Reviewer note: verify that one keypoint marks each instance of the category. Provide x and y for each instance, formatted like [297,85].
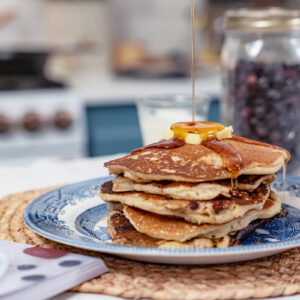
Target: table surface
[44,173]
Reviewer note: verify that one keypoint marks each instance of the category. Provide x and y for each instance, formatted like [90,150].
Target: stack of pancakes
[184,197]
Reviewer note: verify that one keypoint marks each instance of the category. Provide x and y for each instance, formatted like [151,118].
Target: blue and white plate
[76,216]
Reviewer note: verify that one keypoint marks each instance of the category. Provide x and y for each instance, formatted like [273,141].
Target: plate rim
[130,250]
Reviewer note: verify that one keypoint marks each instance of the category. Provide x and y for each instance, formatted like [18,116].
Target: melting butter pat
[225,133]
[169,134]
[193,138]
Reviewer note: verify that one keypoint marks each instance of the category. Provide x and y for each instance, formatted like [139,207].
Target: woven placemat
[274,276]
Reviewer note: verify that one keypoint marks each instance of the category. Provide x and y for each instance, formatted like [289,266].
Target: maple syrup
[232,160]
[164,144]
[193,57]
[234,183]
[205,129]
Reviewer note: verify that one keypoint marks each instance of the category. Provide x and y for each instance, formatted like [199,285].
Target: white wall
[27,26]
[162,25]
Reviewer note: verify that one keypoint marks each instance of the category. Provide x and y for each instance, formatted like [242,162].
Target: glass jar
[157,113]
[261,76]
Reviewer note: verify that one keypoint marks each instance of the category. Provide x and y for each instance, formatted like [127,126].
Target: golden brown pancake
[196,163]
[169,228]
[124,234]
[217,211]
[191,190]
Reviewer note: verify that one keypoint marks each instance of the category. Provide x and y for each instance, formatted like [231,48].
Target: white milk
[155,121]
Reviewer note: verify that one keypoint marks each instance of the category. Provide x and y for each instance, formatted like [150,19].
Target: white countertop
[43,173]
[113,91]
[49,172]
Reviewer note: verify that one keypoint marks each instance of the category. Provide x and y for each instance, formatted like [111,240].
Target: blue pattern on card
[44,215]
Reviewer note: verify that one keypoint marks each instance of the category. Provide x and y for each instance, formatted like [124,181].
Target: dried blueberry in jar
[267,103]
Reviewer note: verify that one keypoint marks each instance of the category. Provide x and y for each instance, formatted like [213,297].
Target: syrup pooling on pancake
[231,158]
[168,144]
[208,132]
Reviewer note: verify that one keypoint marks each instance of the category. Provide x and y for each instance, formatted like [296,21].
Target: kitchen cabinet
[113,129]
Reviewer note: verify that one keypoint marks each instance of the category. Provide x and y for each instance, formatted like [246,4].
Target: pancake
[168,228]
[252,182]
[124,234]
[217,211]
[191,190]
[197,163]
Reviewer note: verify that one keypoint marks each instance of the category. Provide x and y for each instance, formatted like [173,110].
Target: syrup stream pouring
[193,57]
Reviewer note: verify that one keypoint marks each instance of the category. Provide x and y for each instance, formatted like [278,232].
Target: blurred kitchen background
[71,70]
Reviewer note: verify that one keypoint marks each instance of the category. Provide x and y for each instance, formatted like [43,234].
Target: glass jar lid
[263,20]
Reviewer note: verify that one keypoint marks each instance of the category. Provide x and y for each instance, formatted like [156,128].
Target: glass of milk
[158,113]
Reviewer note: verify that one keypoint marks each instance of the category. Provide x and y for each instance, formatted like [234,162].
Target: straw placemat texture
[274,276]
